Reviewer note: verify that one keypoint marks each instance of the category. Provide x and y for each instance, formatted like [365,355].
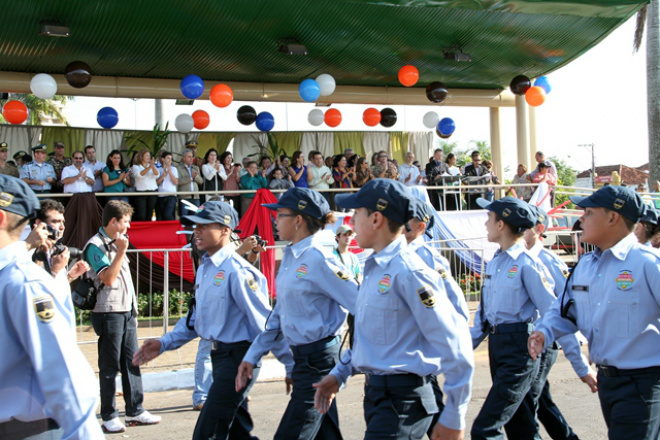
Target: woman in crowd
[145,174]
[116,177]
[298,170]
[363,173]
[343,175]
[214,174]
[521,177]
[232,171]
[451,164]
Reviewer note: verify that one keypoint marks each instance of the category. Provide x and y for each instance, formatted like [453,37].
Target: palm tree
[40,108]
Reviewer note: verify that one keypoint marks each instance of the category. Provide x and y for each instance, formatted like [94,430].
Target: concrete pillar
[533,144]
[522,135]
[496,145]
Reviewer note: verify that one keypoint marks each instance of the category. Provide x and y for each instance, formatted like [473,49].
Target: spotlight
[292,47]
[54,30]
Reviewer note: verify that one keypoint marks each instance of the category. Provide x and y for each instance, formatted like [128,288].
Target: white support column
[496,145]
[533,144]
[522,135]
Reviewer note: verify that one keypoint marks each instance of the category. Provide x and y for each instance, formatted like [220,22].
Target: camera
[53,234]
[74,252]
[260,241]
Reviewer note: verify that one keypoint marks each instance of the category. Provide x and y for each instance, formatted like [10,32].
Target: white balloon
[43,86]
[315,117]
[431,120]
[327,83]
[184,123]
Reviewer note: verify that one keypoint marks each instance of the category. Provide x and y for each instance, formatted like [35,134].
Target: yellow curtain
[399,141]
[289,142]
[73,138]
[219,141]
[349,139]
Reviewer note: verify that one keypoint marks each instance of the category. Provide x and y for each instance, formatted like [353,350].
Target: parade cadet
[231,307]
[313,293]
[647,229]
[612,297]
[515,289]
[404,328]
[39,174]
[539,400]
[47,384]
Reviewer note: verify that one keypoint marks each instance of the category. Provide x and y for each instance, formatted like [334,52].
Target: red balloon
[201,119]
[332,117]
[371,117]
[15,112]
[535,96]
[408,75]
[221,95]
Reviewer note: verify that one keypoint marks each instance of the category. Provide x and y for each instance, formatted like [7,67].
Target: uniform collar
[219,257]
[300,247]
[383,257]
[13,252]
[417,243]
[621,249]
[536,249]
[515,250]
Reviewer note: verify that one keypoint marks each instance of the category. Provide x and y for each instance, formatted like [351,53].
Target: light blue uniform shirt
[558,271]
[440,264]
[35,171]
[313,293]
[405,324]
[231,305]
[44,374]
[516,289]
[617,306]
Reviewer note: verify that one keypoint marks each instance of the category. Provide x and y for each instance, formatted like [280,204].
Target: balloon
[520,84]
[309,90]
[371,117]
[78,74]
[544,83]
[387,117]
[535,96]
[184,123]
[201,119]
[315,117]
[327,84]
[246,115]
[437,132]
[43,86]
[431,120]
[265,121]
[436,92]
[221,95]
[332,117]
[408,75]
[15,112]
[107,117]
[192,86]
[446,126]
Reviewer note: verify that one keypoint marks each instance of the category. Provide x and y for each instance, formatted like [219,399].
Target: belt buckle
[605,371]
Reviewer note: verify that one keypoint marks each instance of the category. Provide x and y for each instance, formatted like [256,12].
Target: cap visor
[483,202]
[201,220]
[348,201]
[581,201]
[272,206]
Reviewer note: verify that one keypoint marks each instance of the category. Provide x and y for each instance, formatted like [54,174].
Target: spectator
[490,192]
[409,174]
[341,173]
[39,175]
[114,317]
[655,196]
[116,177]
[435,170]
[77,178]
[381,168]
[363,173]
[267,165]
[540,158]
[452,169]
[244,162]
[167,183]
[328,161]
[190,178]
[544,174]
[59,162]
[522,192]
[232,171]
[278,182]
[348,259]
[214,174]
[96,166]
[351,162]
[145,173]
[6,168]
[192,146]
[419,167]
[348,152]
[21,158]
[475,172]
[319,176]
[252,180]
[298,170]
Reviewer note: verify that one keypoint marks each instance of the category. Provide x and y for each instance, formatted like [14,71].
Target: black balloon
[246,115]
[436,92]
[387,117]
[520,84]
[78,74]
[443,136]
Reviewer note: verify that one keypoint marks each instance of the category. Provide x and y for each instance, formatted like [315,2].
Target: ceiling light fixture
[292,47]
[456,54]
[54,30]
[184,102]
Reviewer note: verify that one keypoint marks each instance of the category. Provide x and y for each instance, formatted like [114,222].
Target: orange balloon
[15,112]
[408,75]
[201,119]
[535,96]
[371,117]
[332,117]
[221,95]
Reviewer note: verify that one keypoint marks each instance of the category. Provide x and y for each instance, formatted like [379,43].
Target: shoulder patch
[301,271]
[566,273]
[252,283]
[443,273]
[385,283]
[426,296]
[342,275]
[44,308]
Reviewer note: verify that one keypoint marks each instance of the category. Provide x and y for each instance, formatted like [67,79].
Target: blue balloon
[192,86]
[265,121]
[544,83]
[309,90]
[446,126]
[107,117]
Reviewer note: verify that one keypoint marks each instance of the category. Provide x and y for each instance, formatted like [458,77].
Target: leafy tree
[566,176]
[39,108]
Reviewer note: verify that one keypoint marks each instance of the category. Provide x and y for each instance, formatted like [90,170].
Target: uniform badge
[426,296]
[219,278]
[506,212]
[252,284]
[381,204]
[426,218]
[625,280]
[384,284]
[342,275]
[227,220]
[618,203]
[302,271]
[566,273]
[97,258]
[443,273]
[43,307]
[302,204]
[512,272]
[5,199]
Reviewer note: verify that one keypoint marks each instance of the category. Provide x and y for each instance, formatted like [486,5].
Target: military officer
[39,174]
[6,168]
[59,162]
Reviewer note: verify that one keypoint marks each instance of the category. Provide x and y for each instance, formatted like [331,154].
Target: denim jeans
[203,372]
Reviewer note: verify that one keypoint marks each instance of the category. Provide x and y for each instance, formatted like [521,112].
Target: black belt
[397,380]
[520,327]
[607,371]
[217,345]
[313,347]
[17,429]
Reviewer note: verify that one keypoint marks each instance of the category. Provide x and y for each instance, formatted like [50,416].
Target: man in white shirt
[409,174]
[167,182]
[319,176]
[76,177]
[96,166]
